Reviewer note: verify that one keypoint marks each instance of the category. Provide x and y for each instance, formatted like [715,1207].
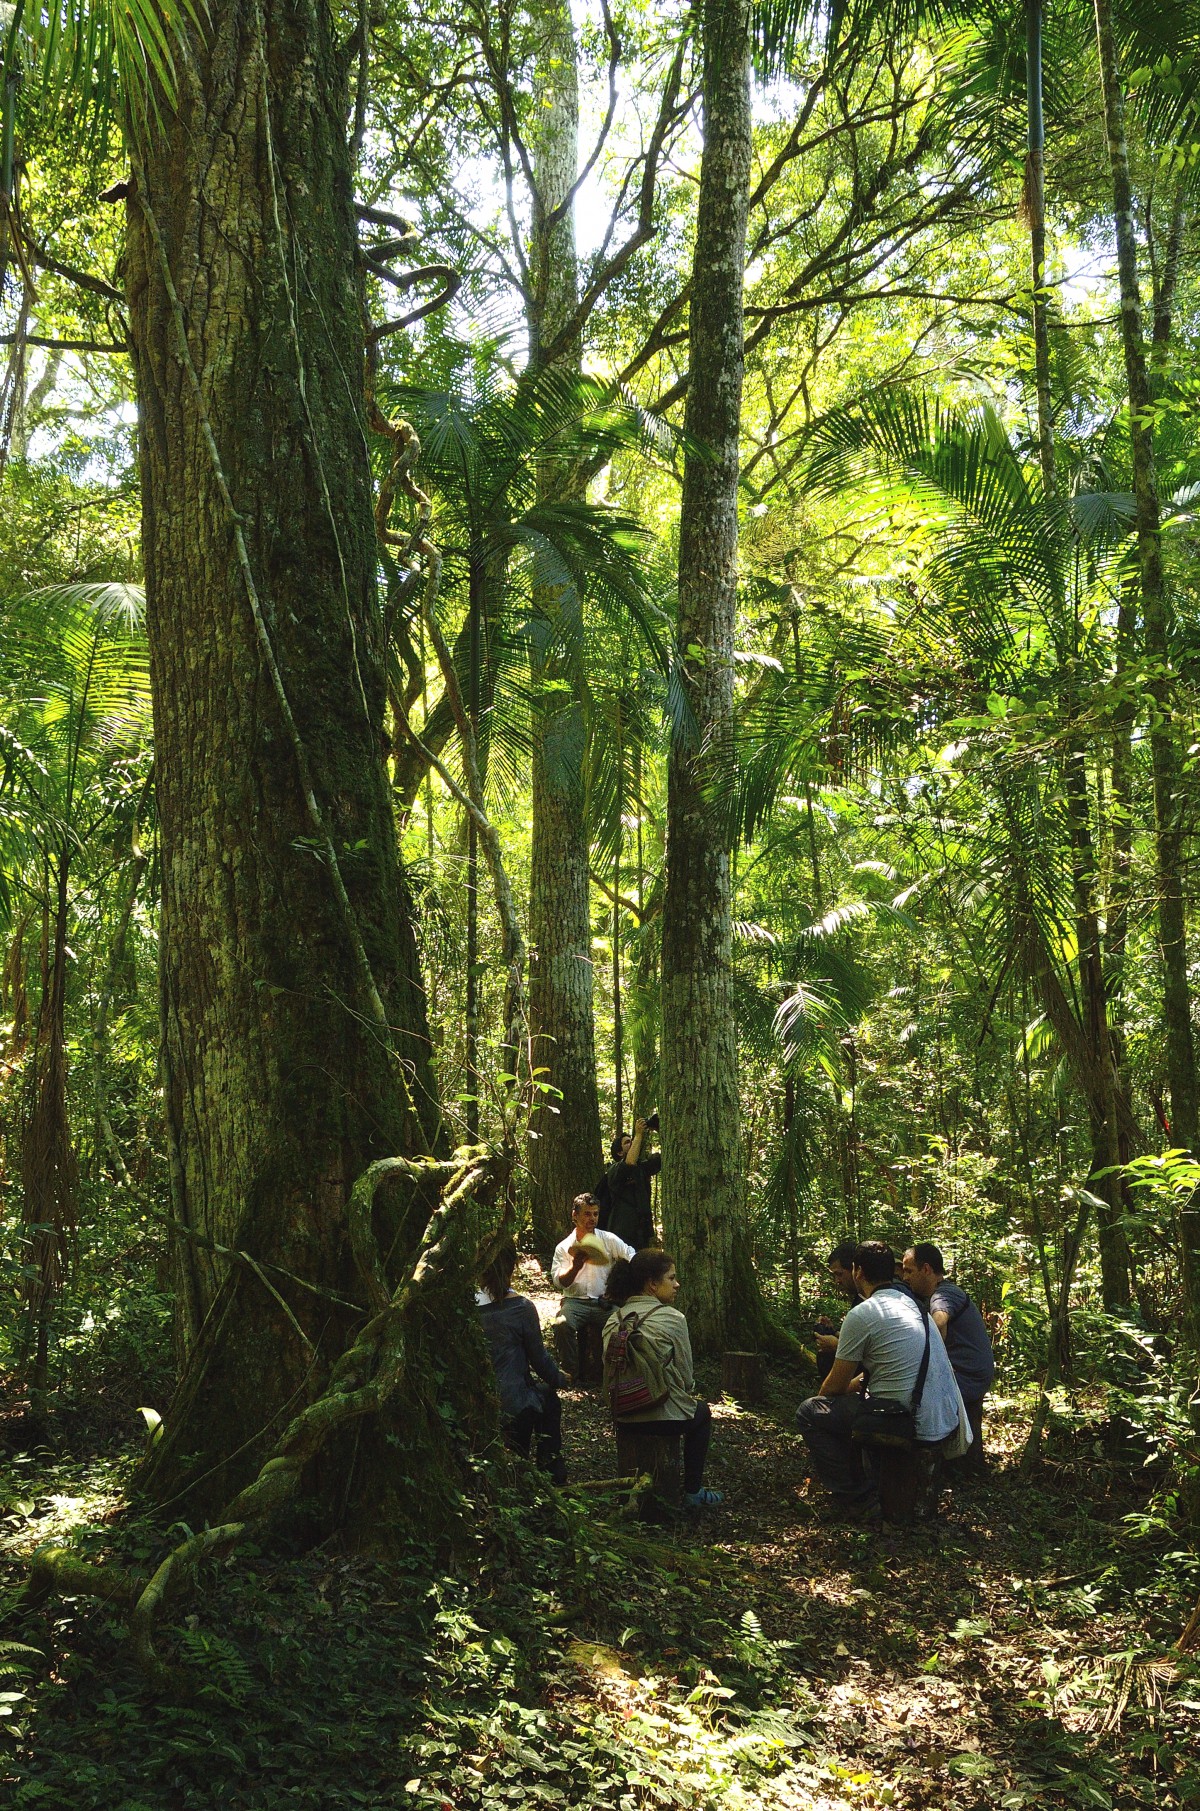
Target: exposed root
[471,1216]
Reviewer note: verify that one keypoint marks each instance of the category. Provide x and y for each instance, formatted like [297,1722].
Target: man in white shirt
[580,1272]
[886,1335]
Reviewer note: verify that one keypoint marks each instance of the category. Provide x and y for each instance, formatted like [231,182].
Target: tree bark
[565,1156]
[704,1209]
[1104,1179]
[295,1043]
[1181,1065]
[1035,207]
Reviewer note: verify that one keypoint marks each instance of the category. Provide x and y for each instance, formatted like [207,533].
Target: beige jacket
[667,1331]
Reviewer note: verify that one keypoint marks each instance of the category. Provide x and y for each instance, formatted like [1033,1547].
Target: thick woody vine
[420,559]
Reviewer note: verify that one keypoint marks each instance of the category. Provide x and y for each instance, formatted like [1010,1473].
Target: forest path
[754,1658]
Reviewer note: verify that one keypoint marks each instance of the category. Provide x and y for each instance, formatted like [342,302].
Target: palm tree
[1006,586]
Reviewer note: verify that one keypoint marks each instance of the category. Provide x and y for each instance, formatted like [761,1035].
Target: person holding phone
[625,1194]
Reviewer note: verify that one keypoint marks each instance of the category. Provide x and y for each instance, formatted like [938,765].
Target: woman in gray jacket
[645,1287]
[529,1403]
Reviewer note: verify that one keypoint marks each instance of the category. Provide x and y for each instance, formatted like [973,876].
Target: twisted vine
[361,1383]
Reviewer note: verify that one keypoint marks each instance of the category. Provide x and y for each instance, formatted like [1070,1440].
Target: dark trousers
[971,1464]
[546,1422]
[696,1434]
[827,1424]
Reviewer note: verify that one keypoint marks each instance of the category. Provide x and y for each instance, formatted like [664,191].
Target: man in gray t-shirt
[886,1334]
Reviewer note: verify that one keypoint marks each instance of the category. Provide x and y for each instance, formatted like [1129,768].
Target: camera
[652,1123]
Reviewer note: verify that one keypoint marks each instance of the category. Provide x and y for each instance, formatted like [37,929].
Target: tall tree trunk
[565,1156]
[49,1167]
[296,1047]
[1104,1179]
[1035,207]
[704,1207]
[1181,1065]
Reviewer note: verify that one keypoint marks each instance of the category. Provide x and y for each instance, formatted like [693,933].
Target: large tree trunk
[1164,750]
[296,1048]
[1181,1066]
[565,1155]
[704,1208]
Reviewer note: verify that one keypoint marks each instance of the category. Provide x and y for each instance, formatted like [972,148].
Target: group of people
[611,1274]
[914,1342]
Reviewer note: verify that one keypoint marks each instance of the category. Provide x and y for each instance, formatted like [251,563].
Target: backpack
[635,1377]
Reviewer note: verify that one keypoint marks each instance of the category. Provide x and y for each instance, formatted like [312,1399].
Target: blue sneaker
[703,1499]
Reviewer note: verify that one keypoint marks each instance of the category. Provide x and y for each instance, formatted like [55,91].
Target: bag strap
[919,1386]
[639,1321]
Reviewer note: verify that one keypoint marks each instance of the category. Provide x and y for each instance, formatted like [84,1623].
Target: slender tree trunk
[704,1207]
[1035,207]
[1104,1180]
[1165,761]
[49,1167]
[565,1156]
[474,987]
[295,1048]
[618,1040]
[1120,886]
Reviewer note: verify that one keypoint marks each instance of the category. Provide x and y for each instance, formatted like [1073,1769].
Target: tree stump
[591,1353]
[908,1478]
[659,1457]
[744,1376]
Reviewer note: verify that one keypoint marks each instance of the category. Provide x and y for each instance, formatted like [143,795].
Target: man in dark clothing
[962,1327]
[625,1207]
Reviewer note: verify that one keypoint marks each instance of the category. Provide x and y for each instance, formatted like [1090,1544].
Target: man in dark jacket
[625,1207]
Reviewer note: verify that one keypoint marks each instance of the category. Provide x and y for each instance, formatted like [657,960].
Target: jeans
[827,1424]
[578,1312]
[696,1434]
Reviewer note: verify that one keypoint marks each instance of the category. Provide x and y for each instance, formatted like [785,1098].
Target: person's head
[841,1264]
[874,1265]
[619,1146]
[496,1280]
[585,1211]
[650,1272]
[922,1268]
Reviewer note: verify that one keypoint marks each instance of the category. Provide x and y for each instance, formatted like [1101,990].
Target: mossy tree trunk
[565,1153]
[704,1209]
[1165,757]
[280,1085]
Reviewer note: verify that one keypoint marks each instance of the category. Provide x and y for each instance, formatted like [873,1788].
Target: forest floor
[1017,1652]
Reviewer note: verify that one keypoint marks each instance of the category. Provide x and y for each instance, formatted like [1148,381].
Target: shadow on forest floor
[1016,1654]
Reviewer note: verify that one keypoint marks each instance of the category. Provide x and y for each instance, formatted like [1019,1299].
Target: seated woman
[529,1405]
[646,1286]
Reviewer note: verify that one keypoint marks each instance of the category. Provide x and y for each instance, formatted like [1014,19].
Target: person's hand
[827,1342]
[639,1125]
[855,1385]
